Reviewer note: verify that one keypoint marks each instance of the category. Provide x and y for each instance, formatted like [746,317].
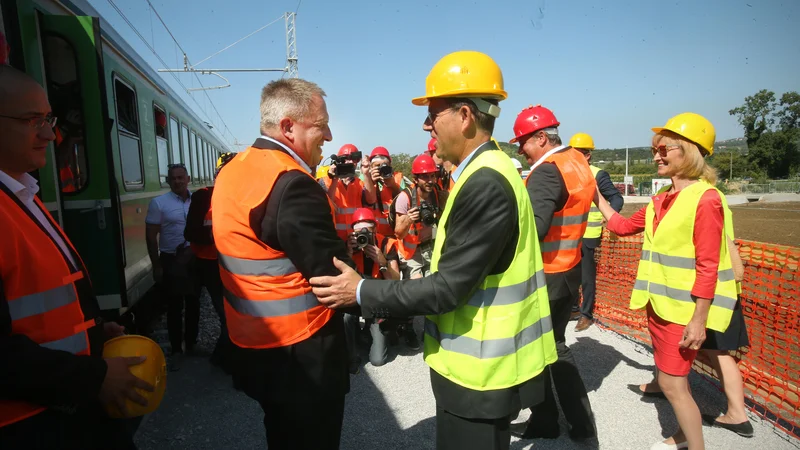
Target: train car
[119,128]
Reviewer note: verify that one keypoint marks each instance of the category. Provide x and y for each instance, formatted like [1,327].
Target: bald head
[23,103]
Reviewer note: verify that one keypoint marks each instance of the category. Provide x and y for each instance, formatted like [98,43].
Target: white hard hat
[516,163]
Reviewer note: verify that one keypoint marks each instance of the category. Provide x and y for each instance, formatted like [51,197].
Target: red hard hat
[432,145]
[533,119]
[161,119]
[423,164]
[347,149]
[363,215]
[380,151]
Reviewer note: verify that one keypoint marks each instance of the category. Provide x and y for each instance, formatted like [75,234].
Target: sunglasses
[663,149]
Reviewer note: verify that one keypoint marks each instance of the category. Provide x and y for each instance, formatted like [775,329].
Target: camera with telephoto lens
[385,170]
[428,214]
[346,165]
[363,238]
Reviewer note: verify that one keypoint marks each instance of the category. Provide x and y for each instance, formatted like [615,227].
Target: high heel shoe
[661,445]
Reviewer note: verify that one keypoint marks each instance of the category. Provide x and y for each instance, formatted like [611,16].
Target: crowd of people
[293,263]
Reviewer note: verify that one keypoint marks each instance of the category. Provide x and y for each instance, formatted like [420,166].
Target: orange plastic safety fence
[771,303]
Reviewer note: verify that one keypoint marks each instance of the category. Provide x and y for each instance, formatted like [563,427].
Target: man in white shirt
[171,258]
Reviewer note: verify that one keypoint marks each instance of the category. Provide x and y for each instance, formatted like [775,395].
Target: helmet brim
[498,95]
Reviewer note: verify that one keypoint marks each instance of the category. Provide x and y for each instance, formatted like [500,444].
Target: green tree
[790,114]
[756,115]
[402,162]
[512,151]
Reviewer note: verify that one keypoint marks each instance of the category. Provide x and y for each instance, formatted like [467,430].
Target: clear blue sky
[613,69]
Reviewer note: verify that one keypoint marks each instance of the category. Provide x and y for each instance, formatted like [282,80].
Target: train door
[72,58]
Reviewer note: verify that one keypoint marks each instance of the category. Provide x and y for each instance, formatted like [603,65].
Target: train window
[195,144]
[212,163]
[175,134]
[201,159]
[162,143]
[64,92]
[185,148]
[130,149]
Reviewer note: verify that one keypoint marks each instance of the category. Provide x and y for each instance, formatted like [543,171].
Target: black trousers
[588,279]
[88,428]
[207,274]
[565,377]
[460,433]
[176,294]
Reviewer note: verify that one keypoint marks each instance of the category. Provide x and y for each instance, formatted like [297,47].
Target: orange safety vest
[68,181]
[359,257]
[381,211]
[347,199]
[411,239]
[561,247]
[205,251]
[268,302]
[39,287]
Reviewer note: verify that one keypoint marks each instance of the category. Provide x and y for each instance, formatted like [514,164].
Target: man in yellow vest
[584,143]
[488,333]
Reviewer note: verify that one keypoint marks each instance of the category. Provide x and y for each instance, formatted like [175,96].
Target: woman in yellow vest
[685,277]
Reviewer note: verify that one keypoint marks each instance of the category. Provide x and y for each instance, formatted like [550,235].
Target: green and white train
[119,127]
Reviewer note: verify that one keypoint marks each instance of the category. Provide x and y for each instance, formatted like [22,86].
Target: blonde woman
[685,278]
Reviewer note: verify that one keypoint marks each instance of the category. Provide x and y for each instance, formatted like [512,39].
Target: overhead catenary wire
[240,40]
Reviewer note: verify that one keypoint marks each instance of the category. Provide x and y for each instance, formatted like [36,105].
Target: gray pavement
[392,407]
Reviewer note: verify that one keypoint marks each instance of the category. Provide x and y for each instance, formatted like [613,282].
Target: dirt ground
[776,223]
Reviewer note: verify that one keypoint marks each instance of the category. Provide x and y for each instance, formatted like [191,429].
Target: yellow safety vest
[594,225]
[667,266]
[502,335]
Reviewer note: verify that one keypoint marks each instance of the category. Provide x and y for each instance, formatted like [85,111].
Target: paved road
[392,407]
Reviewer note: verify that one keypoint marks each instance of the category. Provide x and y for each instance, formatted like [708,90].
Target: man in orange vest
[199,233]
[375,256]
[382,185]
[274,229]
[345,190]
[52,378]
[561,187]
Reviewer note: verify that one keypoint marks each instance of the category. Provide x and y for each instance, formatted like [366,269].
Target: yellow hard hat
[464,74]
[582,140]
[153,370]
[322,171]
[693,127]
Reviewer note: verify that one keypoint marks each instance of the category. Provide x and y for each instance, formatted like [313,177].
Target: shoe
[580,434]
[410,336]
[744,429]
[575,315]
[661,445]
[638,390]
[354,366]
[522,430]
[175,361]
[583,323]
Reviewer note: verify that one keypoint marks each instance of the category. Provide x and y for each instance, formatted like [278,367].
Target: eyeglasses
[36,122]
[433,116]
[663,149]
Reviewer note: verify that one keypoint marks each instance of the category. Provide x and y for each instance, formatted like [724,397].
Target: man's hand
[365,164]
[339,291]
[375,174]
[694,334]
[332,170]
[375,254]
[120,384]
[413,214]
[113,329]
[351,244]
[158,273]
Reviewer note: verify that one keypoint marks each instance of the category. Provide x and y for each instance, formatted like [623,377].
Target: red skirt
[670,357]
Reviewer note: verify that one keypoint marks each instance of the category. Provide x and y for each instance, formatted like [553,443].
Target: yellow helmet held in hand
[693,127]
[465,74]
[582,140]
[153,370]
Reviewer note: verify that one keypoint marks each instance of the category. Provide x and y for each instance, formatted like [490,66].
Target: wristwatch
[384,268]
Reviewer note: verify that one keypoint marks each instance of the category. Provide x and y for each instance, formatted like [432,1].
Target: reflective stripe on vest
[41,302]
[347,198]
[483,343]
[594,225]
[667,268]
[268,303]
[561,247]
[382,213]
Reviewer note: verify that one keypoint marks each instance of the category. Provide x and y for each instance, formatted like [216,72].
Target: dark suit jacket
[296,219]
[481,236]
[612,195]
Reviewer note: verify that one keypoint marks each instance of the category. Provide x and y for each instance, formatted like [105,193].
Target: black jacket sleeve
[195,230]
[39,375]
[548,194]
[481,226]
[608,191]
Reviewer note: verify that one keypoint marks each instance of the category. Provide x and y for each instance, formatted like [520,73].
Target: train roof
[83,8]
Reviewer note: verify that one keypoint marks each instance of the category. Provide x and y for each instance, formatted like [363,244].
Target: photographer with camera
[414,214]
[446,168]
[376,257]
[345,190]
[382,184]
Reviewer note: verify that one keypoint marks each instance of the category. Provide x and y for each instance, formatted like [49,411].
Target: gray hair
[290,98]
[382,158]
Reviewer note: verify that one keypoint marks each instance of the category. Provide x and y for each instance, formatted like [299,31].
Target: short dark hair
[484,121]
[172,167]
